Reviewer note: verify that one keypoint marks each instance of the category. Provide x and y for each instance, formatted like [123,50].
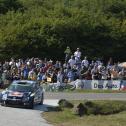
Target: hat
[5,71]
[50,61]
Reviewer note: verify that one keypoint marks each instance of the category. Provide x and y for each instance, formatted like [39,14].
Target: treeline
[43,28]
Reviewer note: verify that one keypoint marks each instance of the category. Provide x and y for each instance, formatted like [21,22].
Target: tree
[6,5]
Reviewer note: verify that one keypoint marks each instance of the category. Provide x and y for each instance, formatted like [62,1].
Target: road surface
[86,96]
[10,116]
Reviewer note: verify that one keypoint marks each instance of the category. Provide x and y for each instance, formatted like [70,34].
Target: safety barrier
[86,84]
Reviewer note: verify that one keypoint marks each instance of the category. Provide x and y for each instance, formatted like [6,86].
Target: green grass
[68,118]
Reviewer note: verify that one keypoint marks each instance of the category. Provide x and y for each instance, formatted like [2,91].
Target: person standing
[77,54]
[85,62]
[60,77]
[72,61]
[67,53]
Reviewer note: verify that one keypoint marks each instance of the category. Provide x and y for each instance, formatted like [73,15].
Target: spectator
[85,62]
[25,72]
[70,75]
[60,77]
[77,54]
[39,76]
[72,61]
[32,75]
[95,74]
[114,74]
[67,53]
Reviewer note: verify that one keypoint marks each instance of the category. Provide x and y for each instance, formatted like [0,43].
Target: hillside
[43,28]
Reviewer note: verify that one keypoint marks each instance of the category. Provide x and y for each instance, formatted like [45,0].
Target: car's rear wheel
[41,102]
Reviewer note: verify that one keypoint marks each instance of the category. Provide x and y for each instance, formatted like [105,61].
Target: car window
[21,87]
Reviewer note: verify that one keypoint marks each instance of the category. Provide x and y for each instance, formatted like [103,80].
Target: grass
[68,118]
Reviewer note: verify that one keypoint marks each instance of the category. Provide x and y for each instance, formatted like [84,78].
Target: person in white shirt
[77,54]
[60,77]
[85,62]
[72,61]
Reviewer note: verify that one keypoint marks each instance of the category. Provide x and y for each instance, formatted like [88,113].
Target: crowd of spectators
[75,66]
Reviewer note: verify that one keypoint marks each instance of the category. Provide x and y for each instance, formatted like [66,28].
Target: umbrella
[122,65]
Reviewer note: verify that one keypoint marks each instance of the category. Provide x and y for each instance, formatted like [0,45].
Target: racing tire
[31,104]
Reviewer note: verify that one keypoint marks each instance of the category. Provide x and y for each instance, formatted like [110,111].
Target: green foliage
[65,104]
[9,5]
[44,28]
[104,108]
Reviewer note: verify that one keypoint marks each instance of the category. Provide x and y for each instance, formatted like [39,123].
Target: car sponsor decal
[16,94]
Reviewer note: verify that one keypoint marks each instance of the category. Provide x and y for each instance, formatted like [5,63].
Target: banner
[102,84]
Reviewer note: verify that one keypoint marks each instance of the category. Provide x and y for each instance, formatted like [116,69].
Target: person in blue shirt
[70,75]
[25,72]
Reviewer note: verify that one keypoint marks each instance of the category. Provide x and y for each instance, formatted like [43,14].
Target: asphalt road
[10,116]
[86,96]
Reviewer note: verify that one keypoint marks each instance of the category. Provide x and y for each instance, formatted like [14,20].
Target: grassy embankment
[67,117]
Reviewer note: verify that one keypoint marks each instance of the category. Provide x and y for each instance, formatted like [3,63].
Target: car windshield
[21,87]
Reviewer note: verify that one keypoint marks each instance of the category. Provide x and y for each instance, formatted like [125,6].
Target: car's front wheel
[31,104]
[3,103]
[41,102]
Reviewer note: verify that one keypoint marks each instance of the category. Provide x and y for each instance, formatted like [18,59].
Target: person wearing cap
[67,53]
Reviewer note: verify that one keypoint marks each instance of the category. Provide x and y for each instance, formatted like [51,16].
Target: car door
[38,94]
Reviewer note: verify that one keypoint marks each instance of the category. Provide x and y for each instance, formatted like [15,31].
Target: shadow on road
[42,107]
[47,104]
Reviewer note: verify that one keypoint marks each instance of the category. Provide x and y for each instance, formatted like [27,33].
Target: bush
[104,108]
[92,108]
[65,104]
[81,109]
[110,108]
[89,103]
[6,5]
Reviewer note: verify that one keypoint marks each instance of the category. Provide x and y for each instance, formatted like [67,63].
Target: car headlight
[3,92]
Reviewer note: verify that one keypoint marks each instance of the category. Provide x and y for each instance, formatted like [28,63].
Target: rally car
[22,92]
